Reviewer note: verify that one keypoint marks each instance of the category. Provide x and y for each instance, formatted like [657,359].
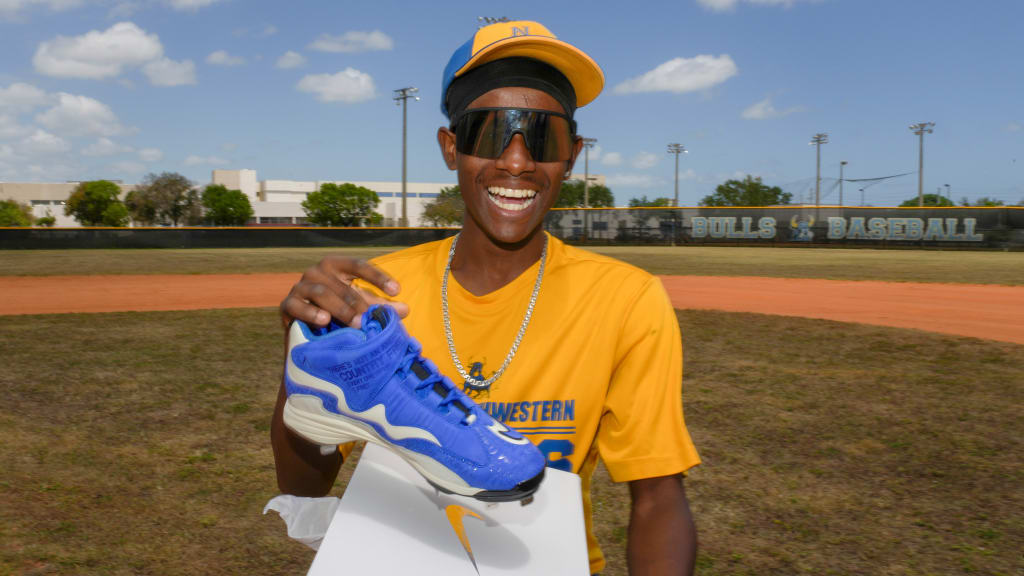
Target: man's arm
[662,536]
[301,469]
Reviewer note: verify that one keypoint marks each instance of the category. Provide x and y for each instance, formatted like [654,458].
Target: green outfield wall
[978,228]
[954,228]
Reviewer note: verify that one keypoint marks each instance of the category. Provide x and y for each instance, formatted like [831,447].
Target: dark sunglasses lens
[486,133]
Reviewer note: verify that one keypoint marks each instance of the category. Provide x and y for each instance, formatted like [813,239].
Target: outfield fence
[1000,228]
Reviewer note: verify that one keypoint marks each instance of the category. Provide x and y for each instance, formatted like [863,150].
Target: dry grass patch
[840,264]
[137,443]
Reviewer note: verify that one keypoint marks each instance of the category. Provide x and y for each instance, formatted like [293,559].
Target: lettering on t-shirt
[531,411]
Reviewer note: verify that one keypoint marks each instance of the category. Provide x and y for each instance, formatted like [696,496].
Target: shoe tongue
[374,320]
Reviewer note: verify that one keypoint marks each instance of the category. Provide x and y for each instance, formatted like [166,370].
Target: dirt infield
[981,311]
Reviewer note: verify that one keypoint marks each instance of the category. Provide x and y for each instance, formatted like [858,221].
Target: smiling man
[579,352]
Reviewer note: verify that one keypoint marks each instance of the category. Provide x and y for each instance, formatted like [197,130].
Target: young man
[580,352]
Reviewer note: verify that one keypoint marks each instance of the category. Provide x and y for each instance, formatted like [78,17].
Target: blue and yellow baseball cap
[525,39]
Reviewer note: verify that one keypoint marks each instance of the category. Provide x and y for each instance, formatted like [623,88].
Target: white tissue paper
[307,519]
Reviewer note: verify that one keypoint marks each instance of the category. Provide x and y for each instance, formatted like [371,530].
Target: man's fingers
[340,302]
[294,308]
[373,275]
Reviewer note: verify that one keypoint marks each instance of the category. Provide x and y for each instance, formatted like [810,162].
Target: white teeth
[513,206]
[498,195]
[511,192]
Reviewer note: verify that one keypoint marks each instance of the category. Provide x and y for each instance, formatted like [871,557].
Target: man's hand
[326,291]
[662,536]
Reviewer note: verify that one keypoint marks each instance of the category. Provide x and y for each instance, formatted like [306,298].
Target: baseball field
[867,419]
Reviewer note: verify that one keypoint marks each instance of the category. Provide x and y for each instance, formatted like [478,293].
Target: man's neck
[482,265]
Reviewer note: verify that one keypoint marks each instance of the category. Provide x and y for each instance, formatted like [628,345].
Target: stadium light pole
[948,193]
[402,95]
[841,164]
[677,149]
[920,129]
[817,140]
[588,143]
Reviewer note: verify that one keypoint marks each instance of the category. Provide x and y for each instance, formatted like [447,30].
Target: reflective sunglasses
[486,132]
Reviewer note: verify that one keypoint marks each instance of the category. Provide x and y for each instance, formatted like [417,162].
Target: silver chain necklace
[473,382]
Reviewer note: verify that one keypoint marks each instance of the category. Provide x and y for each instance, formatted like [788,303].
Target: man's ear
[576,147]
[446,139]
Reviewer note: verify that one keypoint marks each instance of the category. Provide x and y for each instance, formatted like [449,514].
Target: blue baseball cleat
[372,384]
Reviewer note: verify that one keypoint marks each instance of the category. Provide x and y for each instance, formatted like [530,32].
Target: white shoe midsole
[305,415]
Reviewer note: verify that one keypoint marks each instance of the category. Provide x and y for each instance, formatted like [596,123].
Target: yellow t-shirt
[598,372]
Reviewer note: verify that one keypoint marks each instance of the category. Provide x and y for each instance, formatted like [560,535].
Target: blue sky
[302,90]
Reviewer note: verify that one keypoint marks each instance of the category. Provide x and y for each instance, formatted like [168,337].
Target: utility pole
[677,149]
[588,143]
[861,196]
[920,129]
[402,95]
[948,193]
[841,164]
[817,140]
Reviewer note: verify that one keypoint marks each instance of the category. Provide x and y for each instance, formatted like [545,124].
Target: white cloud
[190,5]
[681,75]
[627,180]
[730,5]
[10,8]
[764,110]
[193,160]
[42,143]
[81,116]
[151,155]
[611,159]
[98,54]
[10,129]
[222,58]
[645,160]
[349,86]
[104,147]
[229,147]
[1013,127]
[19,98]
[291,59]
[124,10]
[167,72]
[270,30]
[354,41]
[127,167]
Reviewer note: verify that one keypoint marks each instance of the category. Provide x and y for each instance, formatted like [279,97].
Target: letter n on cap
[517,31]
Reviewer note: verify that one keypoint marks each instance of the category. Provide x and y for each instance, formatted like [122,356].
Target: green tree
[929,200]
[116,215]
[445,210]
[226,207]
[141,207]
[747,192]
[90,203]
[986,201]
[47,221]
[14,213]
[571,195]
[341,205]
[643,202]
[192,213]
[171,197]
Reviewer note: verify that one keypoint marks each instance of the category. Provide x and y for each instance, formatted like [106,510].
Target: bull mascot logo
[801,228]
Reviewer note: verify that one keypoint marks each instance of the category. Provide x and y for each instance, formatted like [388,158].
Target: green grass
[844,264]
[137,443]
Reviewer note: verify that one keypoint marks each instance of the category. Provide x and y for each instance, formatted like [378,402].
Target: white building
[280,201]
